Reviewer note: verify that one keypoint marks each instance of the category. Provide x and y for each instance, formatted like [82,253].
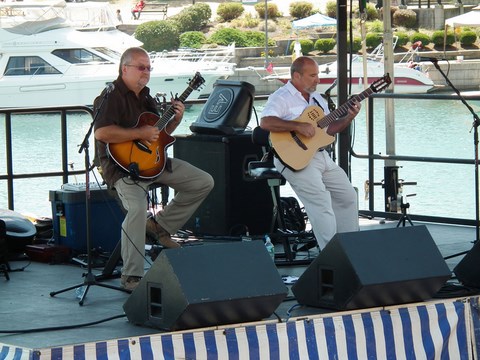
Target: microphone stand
[89,277]
[476,123]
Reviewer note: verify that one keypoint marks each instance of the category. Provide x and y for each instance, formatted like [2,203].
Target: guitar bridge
[142,146]
[297,140]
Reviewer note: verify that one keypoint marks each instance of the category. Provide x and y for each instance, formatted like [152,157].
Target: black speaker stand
[405,216]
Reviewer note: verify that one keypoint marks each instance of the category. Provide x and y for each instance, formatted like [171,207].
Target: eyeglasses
[141,67]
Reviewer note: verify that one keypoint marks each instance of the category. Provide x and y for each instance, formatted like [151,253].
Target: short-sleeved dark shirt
[123,108]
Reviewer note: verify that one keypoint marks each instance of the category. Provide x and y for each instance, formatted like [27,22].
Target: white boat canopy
[315,20]
[471,18]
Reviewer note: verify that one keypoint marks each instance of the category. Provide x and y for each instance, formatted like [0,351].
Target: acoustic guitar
[295,150]
[144,159]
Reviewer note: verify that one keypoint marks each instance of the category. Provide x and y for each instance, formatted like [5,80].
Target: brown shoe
[155,231]
[130,282]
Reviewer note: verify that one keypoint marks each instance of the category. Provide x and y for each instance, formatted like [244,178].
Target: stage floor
[31,318]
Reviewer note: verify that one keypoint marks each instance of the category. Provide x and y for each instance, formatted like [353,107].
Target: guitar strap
[317,103]
[328,148]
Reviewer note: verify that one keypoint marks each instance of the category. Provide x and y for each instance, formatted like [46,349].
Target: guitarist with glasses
[131,141]
[298,143]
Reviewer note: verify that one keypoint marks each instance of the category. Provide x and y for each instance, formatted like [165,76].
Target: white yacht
[46,61]
[409,77]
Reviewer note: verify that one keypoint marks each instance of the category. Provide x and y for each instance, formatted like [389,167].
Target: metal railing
[392,190]
[65,170]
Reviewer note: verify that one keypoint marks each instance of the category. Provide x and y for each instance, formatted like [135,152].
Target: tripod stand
[405,216]
[476,123]
[89,277]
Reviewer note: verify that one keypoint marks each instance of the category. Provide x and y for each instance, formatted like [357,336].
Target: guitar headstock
[197,81]
[381,84]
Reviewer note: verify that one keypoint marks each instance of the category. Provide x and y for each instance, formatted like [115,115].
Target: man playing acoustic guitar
[321,185]
[132,153]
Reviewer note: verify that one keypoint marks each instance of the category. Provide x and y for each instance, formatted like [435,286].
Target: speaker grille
[207,285]
[236,202]
[227,110]
[374,268]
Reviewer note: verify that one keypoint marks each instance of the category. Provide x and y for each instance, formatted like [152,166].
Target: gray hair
[128,56]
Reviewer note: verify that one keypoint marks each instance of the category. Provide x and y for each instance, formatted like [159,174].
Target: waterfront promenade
[465,74]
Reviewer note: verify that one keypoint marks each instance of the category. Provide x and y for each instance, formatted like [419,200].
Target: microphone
[327,92]
[431,59]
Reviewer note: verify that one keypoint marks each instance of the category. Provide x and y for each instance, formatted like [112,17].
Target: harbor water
[429,128]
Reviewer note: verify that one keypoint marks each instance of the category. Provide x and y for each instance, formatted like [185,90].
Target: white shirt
[287,103]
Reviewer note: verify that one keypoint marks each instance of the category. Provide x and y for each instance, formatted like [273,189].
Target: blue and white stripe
[475,311]
[437,330]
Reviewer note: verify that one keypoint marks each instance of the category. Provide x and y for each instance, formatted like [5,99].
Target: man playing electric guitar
[321,185]
[120,127]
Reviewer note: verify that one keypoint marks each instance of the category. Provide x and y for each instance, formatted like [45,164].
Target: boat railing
[222,55]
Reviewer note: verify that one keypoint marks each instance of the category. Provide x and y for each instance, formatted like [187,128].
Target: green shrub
[158,35]
[438,38]
[300,9]
[374,26]
[356,46]
[372,40]
[305,44]
[405,17]
[331,9]
[257,38]
[229,11]
[271,26]
[372,12]
[325,45]
[272,10]
[467,37]
[247,21]
[403,38]
[192,39]
[193,18]
[423,38]
[227,36]
[202,12]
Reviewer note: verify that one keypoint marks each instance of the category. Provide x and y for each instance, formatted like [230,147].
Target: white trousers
[328,196]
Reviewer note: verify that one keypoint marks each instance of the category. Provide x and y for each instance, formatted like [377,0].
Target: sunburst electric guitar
[145,159]
[295,150]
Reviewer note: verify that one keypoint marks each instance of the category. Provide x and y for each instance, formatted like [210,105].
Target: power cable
[56,328]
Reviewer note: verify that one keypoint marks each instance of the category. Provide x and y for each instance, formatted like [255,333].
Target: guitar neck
[163,121]
[343,110]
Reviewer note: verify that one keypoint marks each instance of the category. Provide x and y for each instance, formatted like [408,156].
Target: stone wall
[464,75]
[435,16]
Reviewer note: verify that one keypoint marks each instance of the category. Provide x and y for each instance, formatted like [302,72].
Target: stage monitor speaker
[237,202]
[207,285]
[227,110]
[374,268]
[468,270]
